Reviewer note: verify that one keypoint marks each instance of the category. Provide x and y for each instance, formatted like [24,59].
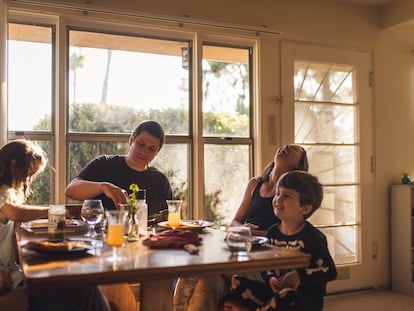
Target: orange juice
[116,234]
[174,220]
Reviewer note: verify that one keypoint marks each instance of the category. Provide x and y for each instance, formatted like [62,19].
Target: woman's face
[289,156]
[142,150]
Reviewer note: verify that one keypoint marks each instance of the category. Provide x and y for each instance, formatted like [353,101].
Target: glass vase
[133,234]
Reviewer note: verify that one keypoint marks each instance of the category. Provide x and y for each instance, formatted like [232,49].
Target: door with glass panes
[327,109]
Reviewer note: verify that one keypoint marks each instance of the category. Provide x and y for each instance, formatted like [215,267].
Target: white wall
[394,116]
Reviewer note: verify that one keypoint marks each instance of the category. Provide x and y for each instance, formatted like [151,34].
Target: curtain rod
[163,18]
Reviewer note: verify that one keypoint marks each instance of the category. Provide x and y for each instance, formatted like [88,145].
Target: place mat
[174,238]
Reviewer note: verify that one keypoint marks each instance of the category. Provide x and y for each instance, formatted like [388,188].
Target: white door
[327,108]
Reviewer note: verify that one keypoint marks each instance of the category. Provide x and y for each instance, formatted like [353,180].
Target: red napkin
[174,238]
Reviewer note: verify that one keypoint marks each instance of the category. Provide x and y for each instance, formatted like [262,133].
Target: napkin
[174,238]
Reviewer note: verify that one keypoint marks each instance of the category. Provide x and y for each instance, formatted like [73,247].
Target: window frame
[60,136]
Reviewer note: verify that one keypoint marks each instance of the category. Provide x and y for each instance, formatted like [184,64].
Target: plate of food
[189,224]
[259,241]
[67,246]
[42,223]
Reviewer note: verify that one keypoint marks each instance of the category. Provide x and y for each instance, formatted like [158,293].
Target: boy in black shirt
[297,197]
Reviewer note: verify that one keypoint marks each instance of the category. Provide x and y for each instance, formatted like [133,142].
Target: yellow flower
[132,198]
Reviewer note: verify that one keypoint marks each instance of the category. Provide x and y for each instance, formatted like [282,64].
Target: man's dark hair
[153,128]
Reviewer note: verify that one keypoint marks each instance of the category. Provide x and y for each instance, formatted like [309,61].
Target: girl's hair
[303,162]
[309,188]
[19,160]
[302,166]
[152,127]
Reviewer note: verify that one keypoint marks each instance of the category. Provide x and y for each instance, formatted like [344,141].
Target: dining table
[154,268]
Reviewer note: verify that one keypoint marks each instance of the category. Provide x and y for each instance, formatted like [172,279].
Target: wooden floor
[383,300]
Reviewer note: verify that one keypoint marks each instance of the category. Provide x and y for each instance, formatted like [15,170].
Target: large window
[30,94]
[114,80]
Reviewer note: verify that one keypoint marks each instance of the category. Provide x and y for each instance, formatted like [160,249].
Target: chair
[123,296]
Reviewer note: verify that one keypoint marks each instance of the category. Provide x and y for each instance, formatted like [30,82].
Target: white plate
[42,224]
[259,240]
[78,245]
[189,224]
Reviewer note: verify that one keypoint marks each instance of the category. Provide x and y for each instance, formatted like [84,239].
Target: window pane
[41,185]
[323,82]
[227,171]
[226,96]
[337,207]
[29,77]
[333,164]
[173,161]
[116,81]
[324,123]
[80,153]
[342,243]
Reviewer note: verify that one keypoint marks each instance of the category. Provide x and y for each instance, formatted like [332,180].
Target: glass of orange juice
[174,213]
[116,232]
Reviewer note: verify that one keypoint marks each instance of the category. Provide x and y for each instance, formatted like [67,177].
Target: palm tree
[105,82]
[75,62]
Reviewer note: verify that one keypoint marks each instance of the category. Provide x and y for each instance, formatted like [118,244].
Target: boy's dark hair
[152,127]
[309,188]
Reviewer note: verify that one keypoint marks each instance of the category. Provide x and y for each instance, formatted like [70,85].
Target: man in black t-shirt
[107,177]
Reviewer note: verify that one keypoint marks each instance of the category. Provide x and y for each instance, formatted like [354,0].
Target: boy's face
[286,205]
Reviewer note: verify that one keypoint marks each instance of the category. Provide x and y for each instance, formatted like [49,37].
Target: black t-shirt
[322,268]
[113,169]
[260,211]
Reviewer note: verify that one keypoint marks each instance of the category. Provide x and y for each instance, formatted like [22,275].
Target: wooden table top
[145,264]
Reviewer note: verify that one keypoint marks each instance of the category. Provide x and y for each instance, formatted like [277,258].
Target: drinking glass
[92,212]
[239,240]
[174,213]
[116,233]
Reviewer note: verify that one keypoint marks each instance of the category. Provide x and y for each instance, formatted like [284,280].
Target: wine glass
[116,233]
[92,212]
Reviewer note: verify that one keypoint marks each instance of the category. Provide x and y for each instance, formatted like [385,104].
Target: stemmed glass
[92,212]
[116,233]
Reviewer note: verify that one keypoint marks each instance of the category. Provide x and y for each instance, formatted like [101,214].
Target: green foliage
[210,208]
[41,184]
[226,124]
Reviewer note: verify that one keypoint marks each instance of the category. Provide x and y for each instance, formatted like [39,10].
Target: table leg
[157,295]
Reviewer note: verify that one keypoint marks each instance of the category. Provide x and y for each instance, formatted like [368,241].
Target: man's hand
[116,194]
